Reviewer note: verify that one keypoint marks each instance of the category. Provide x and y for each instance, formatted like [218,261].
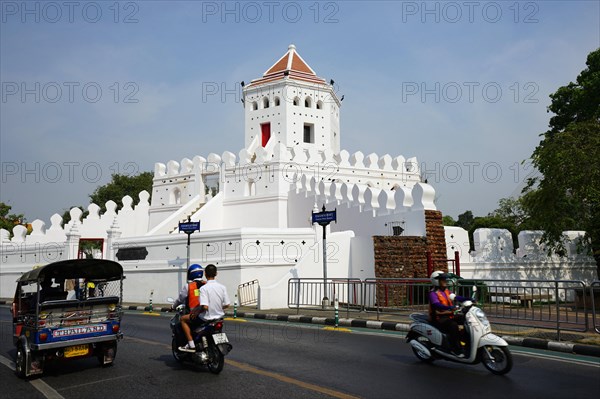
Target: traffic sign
[189,227]
[325,217]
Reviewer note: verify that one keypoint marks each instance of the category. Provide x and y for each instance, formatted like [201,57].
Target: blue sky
[99,88]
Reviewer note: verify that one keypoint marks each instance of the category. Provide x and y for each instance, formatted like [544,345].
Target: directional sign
[189,227]
[324,218]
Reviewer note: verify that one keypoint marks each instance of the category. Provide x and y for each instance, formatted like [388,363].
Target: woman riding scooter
[441,311]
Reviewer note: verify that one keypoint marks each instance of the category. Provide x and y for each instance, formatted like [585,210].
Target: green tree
[120,186]
[448,221]
[9,221]
[465,220]
[567,196]
[67,214]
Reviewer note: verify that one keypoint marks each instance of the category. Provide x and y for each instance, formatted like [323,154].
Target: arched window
[175,196]
[296,101]
[250,189]
[265,102]
[319,104]
[308,102]
[254,106]
[276,101]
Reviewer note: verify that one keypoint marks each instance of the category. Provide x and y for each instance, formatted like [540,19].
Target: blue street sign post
[188,228]
[323,218]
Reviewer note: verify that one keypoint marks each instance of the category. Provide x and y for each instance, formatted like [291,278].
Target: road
[272,359]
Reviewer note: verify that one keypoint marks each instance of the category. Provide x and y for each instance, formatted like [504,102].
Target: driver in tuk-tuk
[50,293]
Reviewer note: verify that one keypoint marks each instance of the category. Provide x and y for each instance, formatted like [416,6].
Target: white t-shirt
[214,295]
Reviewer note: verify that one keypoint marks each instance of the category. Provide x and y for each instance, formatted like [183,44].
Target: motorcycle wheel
[21,361]
[176,354]
[496,359]
[216,360]
[424,341]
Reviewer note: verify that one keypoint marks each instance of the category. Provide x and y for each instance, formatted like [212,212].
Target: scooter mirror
[452,296]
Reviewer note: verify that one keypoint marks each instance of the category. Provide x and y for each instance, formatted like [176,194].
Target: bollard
[235,304]
[150,304]
[337,315]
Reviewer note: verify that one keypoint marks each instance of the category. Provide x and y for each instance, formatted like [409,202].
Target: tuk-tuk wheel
[21,361]
[111,350]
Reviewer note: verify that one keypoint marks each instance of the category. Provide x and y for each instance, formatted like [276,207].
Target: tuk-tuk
[67,310]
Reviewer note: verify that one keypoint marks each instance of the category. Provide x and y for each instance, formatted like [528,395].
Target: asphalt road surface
[279,360]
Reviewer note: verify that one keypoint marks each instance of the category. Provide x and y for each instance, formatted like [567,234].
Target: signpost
[324,218]
[188,228]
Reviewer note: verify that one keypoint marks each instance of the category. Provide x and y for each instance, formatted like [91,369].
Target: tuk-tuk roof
[90,269]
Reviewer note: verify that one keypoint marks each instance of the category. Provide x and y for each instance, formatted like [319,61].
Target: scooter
[479,343]
[210,340]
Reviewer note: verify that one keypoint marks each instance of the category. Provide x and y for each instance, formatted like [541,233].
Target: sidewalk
[582,343]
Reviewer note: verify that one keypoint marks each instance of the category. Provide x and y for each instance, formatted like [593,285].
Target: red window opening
[265,129]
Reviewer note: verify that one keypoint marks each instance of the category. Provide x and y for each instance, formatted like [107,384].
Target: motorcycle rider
[190,297]
[441,311]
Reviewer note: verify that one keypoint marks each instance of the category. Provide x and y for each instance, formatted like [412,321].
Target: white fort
[255,206]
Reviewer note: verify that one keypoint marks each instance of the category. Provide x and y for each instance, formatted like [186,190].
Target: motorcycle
[211,342]
[479,343]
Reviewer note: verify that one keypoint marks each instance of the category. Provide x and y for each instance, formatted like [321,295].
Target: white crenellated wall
[45,245]
[494,257]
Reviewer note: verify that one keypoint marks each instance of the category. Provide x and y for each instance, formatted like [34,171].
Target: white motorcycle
[480,345]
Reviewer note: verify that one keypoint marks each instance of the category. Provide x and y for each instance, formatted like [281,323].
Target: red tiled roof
[291,65]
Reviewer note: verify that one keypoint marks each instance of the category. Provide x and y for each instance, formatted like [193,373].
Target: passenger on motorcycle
[213,296]
[441,310]
[190,297]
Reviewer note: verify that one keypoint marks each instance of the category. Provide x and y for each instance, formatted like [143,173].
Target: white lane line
[46,389]
[96,382]
[7,362]
[557,358]
[38,384]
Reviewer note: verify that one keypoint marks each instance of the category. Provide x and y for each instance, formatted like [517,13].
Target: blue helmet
[195,272]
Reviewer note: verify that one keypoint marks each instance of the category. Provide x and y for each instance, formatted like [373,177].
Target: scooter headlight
[482,318]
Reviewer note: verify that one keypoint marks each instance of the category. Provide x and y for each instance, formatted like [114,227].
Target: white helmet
[437,276]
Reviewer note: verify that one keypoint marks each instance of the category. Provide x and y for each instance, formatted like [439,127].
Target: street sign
[325,217]
[189,227]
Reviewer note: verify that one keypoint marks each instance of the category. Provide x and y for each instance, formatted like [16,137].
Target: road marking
[96,382]
[289,380]
[46,389]
[557,358]
[151,313]
[236,319]
[38,384]
[340,329]
[270,374]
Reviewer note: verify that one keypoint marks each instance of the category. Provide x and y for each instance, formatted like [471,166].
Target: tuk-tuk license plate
[220,338]
[77,350]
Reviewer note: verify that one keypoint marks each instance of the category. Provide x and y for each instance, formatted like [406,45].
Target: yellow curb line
[151,313]
[340,329]
[236,319]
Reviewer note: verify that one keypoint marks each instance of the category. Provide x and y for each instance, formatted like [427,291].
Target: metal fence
[561,305]
[595,300]
[248,293]
[554,304]
[308,293]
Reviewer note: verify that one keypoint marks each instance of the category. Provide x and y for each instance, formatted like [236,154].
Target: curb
[147,309]
[578,349]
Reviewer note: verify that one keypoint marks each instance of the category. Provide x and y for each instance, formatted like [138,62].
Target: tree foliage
[465,220]
[567,196]
[448,221]
[9,221]
[120,186]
